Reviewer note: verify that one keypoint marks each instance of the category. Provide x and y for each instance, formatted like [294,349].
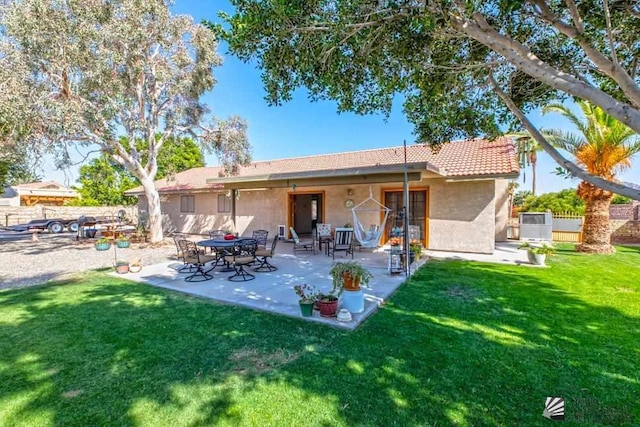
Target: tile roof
[41,185]
[469,158]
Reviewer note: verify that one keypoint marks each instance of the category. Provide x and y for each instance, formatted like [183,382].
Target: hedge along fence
[11,215]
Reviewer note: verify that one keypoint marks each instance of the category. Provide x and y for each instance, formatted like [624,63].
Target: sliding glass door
[418,209]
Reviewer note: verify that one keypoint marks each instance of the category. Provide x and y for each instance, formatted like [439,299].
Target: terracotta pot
[328,309]
[351,283]
[122,268]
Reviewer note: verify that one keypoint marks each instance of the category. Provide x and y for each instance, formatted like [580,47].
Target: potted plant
[135,266]
[103,244]
[307,294]
[140,234]
[348,276]
[122,267]
[328,304]
[540,253]
[415,249]
[537,254]
[123,241]
[395,242]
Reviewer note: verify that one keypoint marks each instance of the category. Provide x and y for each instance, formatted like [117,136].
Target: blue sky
[303,128]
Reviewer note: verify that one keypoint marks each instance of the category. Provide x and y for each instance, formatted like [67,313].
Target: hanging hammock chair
[369,238]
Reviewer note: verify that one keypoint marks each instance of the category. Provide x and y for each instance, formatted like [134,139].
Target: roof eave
[483,177]
[367,170]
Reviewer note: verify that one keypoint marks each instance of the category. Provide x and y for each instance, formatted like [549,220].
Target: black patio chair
[261,238]
[194,258]
[186,268]
[342,242]
[244,253]
[263,255]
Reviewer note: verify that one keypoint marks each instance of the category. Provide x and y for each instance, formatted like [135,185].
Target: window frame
[225,206]
[190,201]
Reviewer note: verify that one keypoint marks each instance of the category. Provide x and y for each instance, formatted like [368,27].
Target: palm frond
[567,141]
[559,108]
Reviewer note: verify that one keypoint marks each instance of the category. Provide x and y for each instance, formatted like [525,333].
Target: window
[187,203]
[224,203]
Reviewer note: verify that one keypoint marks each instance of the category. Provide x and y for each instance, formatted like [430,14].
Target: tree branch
[607,17]
[574,169]
[610,68]
[575,15]
[521,57]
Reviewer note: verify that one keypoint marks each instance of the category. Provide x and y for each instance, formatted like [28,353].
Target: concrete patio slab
[504,253]
[273,291]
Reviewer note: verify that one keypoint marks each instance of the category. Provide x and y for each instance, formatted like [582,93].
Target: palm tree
[604,147]
[528,150]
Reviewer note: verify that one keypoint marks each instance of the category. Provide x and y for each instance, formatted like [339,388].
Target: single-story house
[48,193]
[458,194]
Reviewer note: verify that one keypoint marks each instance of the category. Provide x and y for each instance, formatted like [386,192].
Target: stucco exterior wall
[462,216]
[261,210]
[502,209]
[205,217]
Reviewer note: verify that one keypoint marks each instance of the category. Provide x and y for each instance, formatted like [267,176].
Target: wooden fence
[567,227]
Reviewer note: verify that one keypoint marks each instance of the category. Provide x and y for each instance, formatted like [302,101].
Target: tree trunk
[596,233]
[154,211]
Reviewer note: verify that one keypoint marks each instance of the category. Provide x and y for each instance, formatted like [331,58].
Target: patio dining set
[240,256]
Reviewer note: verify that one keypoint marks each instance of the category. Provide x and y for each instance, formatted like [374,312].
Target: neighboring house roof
[475,158]
[49,185]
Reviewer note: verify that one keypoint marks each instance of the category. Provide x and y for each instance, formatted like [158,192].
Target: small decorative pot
[135,268]
[328,309]
[122,268]
[103,246]
[530,257]
[306,308]
[122,244]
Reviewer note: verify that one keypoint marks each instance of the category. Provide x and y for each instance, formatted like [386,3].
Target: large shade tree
[464,68]
[103,181]
[604,147]
[97,69]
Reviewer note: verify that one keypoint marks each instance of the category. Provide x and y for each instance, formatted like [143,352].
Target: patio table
[222,246]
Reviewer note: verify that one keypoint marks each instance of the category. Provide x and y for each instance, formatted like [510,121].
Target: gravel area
[24,262]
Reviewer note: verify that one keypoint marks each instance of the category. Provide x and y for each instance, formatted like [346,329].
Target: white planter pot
[539,259]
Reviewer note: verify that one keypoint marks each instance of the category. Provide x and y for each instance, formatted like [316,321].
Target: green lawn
[463,343]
